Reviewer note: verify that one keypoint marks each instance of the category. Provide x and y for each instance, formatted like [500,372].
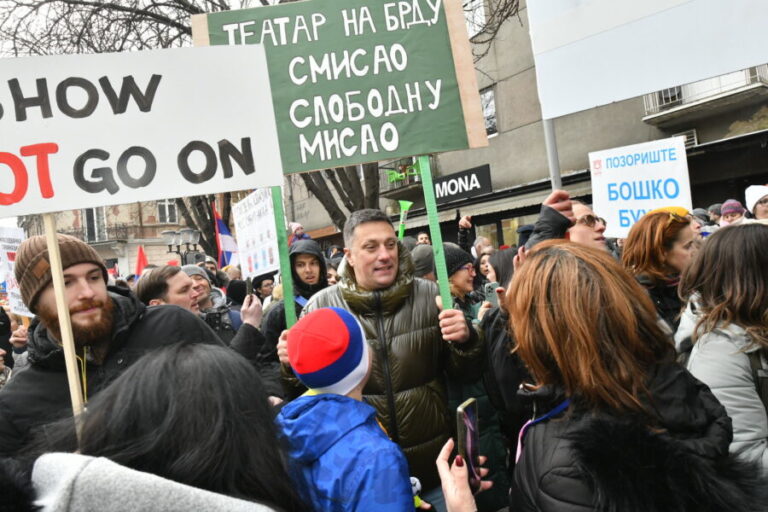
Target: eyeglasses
[590,220]
[468,267]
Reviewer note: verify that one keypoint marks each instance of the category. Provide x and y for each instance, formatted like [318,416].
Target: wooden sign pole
[62,309]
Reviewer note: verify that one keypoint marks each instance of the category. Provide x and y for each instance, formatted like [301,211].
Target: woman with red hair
[619,425]
[657,250]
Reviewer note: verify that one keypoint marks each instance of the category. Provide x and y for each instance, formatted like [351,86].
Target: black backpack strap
[759,375]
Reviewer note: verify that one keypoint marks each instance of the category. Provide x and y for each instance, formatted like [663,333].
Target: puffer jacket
[340,459]
[40,393]
[411,360]
[585,460]
[719,359]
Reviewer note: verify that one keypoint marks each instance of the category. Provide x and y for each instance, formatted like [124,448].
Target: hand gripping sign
[80,131]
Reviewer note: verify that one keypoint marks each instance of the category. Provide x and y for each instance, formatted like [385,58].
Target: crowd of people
[610,375]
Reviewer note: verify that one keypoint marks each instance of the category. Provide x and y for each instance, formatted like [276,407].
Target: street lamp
[187,236]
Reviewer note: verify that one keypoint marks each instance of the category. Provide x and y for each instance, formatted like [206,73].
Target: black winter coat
[505,374]
[664,295]
[274,322]
[40,393]
[5,337]
[602,461]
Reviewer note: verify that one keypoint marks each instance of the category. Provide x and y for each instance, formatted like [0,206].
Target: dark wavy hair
[192,413]
[729,278]
[503,265]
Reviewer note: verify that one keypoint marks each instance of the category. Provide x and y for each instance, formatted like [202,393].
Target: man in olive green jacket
[415,345]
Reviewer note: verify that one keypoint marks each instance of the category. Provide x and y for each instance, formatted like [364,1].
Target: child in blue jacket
[340,457]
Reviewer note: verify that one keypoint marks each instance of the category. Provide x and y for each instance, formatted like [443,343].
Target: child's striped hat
[328,351]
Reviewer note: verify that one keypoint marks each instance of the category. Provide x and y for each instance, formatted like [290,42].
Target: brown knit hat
[33,268]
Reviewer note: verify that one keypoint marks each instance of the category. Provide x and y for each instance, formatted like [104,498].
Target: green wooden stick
[422,163]
[285,260]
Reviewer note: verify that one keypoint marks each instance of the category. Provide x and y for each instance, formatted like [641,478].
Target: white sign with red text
[80,131]
[629,181]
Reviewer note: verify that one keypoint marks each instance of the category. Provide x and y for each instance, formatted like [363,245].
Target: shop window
[489,231]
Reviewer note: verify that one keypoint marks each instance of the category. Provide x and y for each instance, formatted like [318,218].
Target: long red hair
[583,323]
[648,242]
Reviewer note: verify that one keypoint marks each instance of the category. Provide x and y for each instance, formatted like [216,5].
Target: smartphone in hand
[489,289]
[249,286]
[469,440]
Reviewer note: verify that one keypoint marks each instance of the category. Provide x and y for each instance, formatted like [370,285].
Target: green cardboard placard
[362,80]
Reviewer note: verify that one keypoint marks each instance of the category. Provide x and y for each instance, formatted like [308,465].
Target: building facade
[724,119]
[116,232]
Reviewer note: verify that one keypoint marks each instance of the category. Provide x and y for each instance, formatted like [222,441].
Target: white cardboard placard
[629,181]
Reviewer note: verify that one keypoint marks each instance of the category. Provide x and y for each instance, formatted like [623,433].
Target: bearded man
[111,329]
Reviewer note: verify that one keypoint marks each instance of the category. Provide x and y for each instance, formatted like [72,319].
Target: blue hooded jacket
[341,459]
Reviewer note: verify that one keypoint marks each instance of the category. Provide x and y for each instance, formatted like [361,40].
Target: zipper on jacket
[383,353]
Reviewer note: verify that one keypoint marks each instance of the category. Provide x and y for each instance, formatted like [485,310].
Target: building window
[94,224]
[488,103]
[166,212]
[474,13]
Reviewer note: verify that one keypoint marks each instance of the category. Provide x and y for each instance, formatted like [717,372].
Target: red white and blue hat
[328,352]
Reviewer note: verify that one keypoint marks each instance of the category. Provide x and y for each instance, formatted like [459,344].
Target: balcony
[398,179]
[106,234]
[697,100]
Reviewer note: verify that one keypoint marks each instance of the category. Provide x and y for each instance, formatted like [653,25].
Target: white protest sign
[79,131]
[629,181]
[10,239]
[256,236]
[594,52]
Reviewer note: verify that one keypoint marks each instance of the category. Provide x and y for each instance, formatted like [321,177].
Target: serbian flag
[225,242]
[141,260]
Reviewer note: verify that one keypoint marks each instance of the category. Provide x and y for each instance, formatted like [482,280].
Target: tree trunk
[371,175]
[198,215]
[319,188]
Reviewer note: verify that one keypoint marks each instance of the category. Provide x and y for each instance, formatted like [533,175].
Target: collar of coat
[391,298]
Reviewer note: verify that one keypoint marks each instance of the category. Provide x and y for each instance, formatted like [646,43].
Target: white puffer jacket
[719,359]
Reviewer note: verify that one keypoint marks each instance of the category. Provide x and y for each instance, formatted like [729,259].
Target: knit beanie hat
[328,351]
[732,206]
[33,264]
[753,194]
[455,258]
[293,226]
[194,270]
[701,215]
[423,260]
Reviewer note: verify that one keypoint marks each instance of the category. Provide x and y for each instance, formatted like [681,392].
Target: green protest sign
[363,80]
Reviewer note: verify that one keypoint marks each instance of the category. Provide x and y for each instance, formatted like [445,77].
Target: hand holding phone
[489,289]
[468,435]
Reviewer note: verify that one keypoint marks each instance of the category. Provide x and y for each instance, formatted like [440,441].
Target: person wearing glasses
[657,250]
[461,275]
[562,217]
